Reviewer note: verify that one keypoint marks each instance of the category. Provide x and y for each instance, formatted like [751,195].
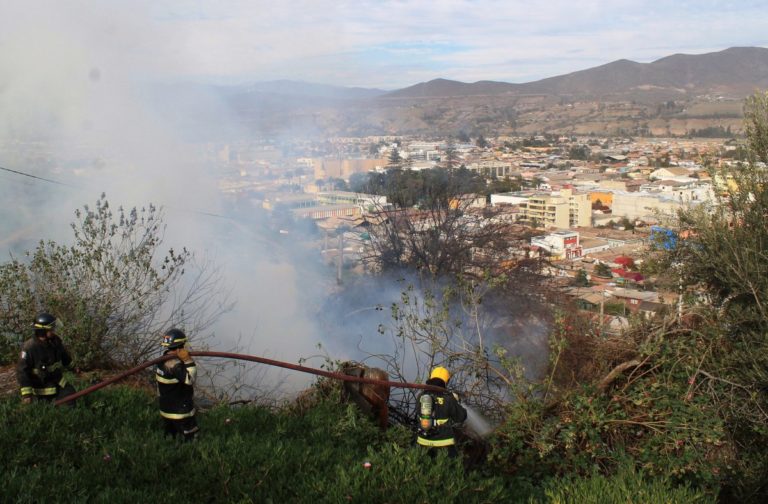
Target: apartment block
[562,209]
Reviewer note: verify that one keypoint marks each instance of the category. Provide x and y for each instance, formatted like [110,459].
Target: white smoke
[91,96]
[77,107]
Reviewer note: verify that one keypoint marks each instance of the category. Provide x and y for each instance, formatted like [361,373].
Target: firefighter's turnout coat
[175,380]
[40,367]
[446,413]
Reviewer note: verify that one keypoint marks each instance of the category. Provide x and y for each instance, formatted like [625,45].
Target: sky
[385,44]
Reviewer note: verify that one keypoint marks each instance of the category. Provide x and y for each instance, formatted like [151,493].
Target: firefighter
[439,413]
[175,387]
[42,362]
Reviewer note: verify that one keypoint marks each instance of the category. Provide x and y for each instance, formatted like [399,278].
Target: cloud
[381,43]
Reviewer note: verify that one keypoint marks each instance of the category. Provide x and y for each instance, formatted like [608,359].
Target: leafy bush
[111,289]
[627,485]
[659,413]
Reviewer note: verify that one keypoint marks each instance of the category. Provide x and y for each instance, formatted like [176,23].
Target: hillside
[109,448]
[444,87]
[738,70]
[675,95]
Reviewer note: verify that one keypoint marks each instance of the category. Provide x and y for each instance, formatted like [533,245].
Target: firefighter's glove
[183,355]
[27,399]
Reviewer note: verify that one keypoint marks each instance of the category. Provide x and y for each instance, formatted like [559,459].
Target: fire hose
[251,358]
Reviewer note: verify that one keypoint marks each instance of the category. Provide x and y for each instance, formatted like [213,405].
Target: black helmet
[44,322]
[174,338]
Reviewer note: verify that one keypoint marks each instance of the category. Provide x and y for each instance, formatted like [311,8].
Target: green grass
[110,448]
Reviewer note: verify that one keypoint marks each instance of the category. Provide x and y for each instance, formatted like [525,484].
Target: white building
[559,244]
[491,168]
[510,198]
[665,199]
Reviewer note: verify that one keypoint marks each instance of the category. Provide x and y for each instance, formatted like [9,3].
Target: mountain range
[681,94]
[736,70]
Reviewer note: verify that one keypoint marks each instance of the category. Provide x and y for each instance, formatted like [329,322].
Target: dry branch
[615,372]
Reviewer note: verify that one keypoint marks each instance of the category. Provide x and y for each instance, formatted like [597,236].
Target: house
[632,298]
[560,244]
[590,301]
[670,173]
[649,309]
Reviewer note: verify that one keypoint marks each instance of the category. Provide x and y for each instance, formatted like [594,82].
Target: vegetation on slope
[110,448]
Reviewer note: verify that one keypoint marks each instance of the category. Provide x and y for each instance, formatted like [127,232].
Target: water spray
[477,423]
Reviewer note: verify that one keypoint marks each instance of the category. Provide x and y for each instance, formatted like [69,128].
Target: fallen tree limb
[615,372]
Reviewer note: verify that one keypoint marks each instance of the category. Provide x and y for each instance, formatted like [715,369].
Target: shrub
[112,289]
[627,485]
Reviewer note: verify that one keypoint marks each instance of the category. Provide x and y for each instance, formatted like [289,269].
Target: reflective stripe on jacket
[175,388]
[39,369]
[447,412]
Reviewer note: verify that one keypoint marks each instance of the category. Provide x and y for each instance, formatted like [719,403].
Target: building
[510,198]
[343,168]
[579,208]
[671,173]
[559,244]
[544,210]
[632,298]
[326,211]
[563,209]
[466,201]
[325,204]
[367,202]
[492,168]
[647,205]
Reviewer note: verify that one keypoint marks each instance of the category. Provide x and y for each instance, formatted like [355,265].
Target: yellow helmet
[442,373]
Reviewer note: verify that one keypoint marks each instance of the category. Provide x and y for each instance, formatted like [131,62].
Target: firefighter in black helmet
[42,362]
[175,386]
[439,412]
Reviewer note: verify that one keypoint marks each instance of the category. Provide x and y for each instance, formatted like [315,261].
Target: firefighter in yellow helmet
[42,361]
[175,387]
[439,413]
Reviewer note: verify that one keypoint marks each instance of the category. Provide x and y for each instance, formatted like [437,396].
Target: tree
[729,240]
[506,184]
[581,280]
[338,184]
[451,156]
[468,326]
[373,149]
[395,160]
[111,288]
[626,224]
[358,182]
[723,257]
[603,270]
[579,152]
[433,225]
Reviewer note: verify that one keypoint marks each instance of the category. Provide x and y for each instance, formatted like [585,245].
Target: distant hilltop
[736,70]
[681,94]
